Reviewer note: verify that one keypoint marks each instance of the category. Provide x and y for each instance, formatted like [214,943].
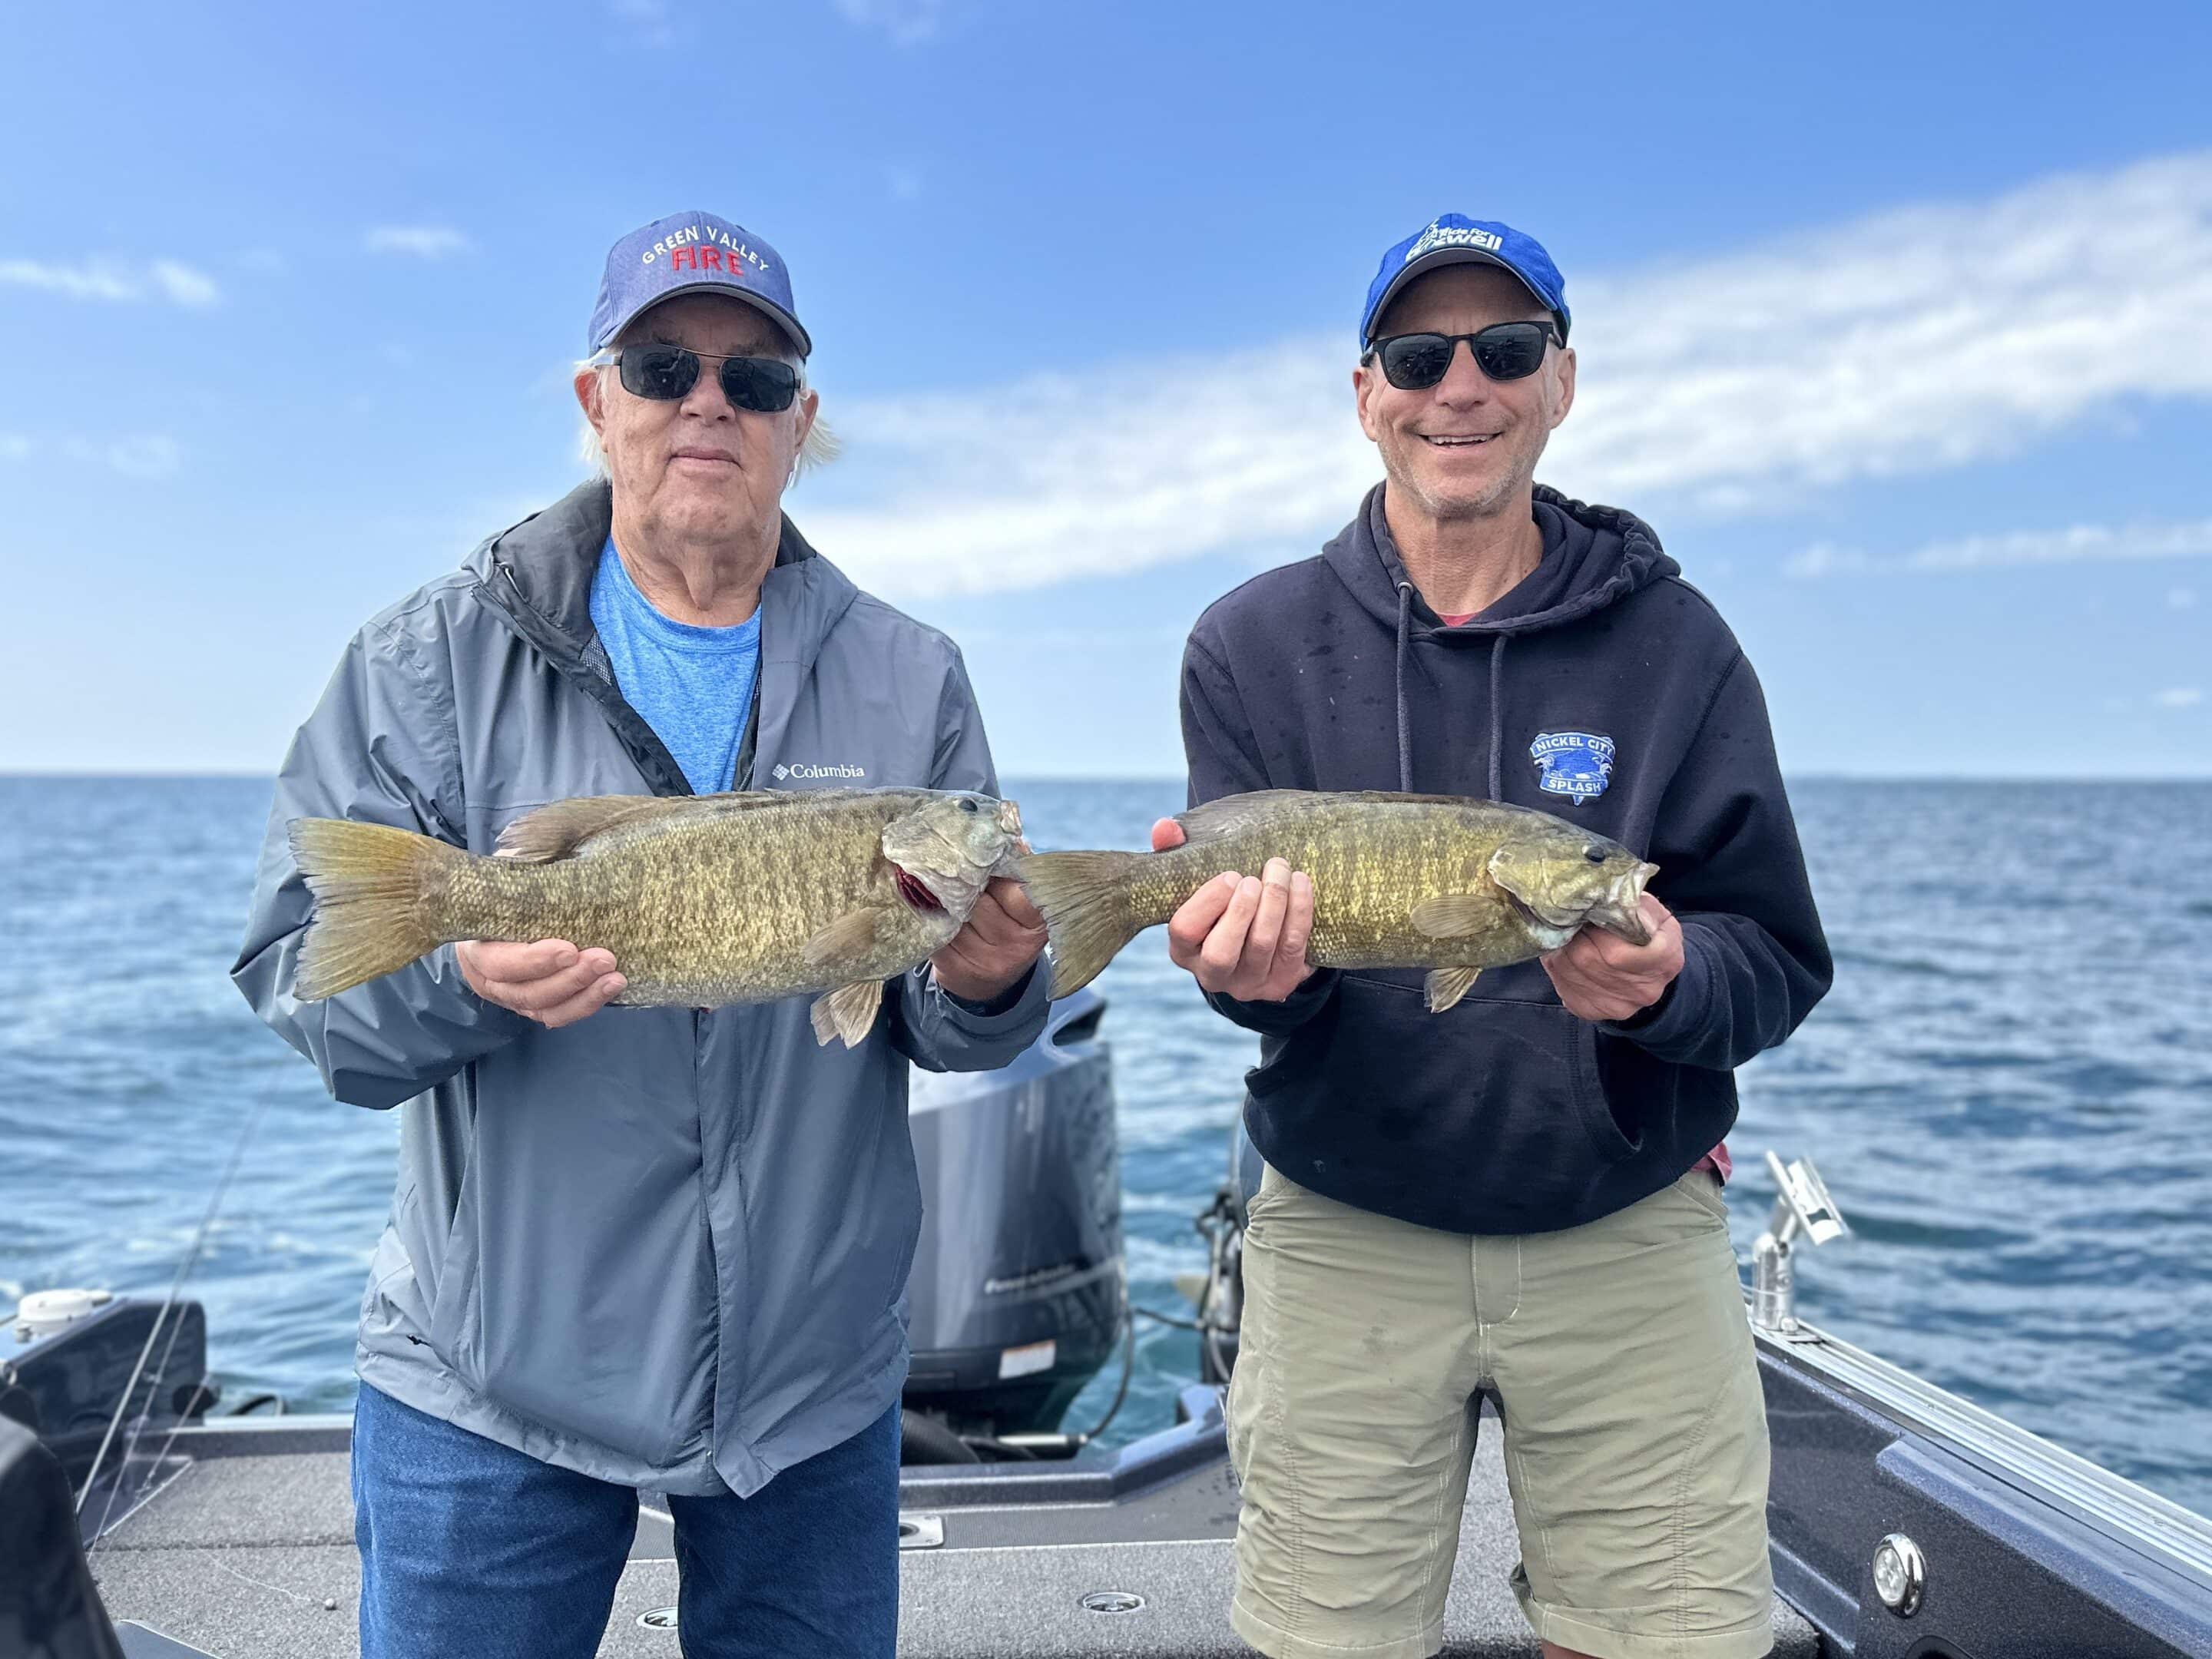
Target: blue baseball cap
[692,253]
[1453,239]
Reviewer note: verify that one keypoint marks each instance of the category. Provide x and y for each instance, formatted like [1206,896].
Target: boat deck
[247,1554]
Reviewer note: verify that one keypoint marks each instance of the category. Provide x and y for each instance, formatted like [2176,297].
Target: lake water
[2009,1092]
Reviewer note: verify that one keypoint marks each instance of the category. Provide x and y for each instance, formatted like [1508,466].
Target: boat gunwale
[2119,1509]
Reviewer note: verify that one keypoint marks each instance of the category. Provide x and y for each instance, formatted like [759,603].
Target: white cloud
[150,456]
[422,241]
[905,21]
[139,455]
[2180,696]
[2082,543]
[648,21]
[119,281]
[1822,559]
[184,285]
[1913,342]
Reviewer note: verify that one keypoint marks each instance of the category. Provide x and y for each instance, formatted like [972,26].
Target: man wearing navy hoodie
[1521,1196]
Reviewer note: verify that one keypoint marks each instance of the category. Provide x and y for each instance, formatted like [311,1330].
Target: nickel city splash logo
[1575,765]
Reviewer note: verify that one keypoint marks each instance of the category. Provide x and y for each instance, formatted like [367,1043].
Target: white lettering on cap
[689,234]
[1437,236]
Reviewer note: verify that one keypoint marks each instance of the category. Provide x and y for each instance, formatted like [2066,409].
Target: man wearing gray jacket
[644,1248]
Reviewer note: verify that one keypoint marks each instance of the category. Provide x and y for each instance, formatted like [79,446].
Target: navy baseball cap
[1453,239]
[692,253]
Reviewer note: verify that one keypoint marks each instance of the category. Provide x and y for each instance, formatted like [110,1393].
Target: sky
[1895,323]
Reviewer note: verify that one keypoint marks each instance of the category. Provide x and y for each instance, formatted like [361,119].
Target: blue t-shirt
[693,685]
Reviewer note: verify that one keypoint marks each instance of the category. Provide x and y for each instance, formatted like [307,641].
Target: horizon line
[175,774]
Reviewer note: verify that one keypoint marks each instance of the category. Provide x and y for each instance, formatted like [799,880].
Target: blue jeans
[470,1549]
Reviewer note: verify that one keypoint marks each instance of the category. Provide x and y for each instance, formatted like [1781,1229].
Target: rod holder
[1802,1209]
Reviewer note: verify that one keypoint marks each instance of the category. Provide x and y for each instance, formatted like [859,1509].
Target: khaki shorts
[1635,1435]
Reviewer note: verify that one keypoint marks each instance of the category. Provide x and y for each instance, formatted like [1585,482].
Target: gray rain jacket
[661,1246]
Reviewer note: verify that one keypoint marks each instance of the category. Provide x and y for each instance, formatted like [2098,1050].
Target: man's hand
[550,980]
[1004,935]
[1245,936]
[1600,975]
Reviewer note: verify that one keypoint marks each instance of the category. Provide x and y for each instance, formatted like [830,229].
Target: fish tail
[1086,901]
[368,880]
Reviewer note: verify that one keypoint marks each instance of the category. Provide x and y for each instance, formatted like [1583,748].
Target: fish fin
[1085,897]
[1448,985]
[850,934]
[1231,815]
[1401,797]
[562,830]
[368,880]
[1217,819]
[1453,915]
[846,1012]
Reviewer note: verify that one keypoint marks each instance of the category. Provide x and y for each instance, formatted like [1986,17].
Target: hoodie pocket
[1486,1117]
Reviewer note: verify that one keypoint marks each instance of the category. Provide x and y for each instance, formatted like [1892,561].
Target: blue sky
[1896,323]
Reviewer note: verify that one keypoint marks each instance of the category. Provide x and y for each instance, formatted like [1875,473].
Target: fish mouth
[916,892]
[1621,911]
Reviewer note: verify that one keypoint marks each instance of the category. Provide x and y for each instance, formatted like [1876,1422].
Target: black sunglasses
[665,373]
[1504,351]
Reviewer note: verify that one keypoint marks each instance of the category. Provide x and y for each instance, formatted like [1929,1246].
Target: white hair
[818,448]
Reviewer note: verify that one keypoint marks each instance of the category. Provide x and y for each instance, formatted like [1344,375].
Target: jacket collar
[537,574]
[551,557]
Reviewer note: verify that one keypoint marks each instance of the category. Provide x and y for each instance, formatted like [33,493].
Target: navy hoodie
[1507,1113]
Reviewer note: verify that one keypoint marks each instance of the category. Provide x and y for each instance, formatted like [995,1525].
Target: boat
[142,1516]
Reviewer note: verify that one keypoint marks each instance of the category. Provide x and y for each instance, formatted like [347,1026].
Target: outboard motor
[1018,1292]
[66,1359]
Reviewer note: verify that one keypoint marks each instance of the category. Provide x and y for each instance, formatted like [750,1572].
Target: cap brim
[1434,259]
[768,308]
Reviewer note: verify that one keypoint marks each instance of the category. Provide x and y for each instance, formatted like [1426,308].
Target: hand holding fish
[1003,936]
[1242,935]
[1600,975]
[549,980]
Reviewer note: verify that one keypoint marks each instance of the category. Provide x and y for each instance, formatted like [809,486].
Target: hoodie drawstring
[1496,704]
[1497,717]
[1405,720]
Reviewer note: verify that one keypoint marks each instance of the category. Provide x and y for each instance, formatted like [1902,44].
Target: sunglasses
[1504,351]
[664,373]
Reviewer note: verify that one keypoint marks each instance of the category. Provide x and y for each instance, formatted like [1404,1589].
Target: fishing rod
[168,1303]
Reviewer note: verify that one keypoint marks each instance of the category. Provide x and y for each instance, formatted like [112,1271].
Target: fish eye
[1595,855]
[967,804]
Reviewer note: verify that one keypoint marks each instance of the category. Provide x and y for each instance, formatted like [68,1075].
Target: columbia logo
[844,769]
